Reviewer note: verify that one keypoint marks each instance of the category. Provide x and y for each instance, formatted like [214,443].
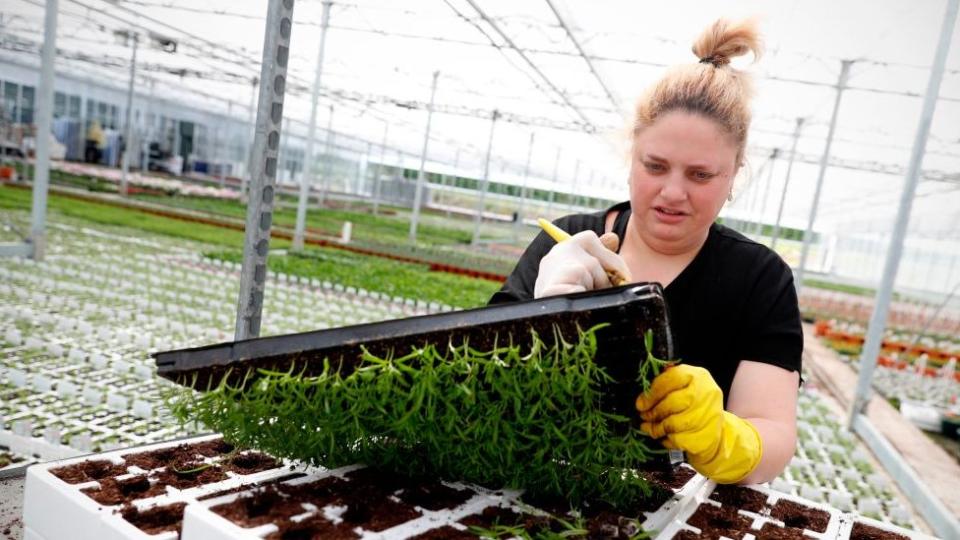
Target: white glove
[579,264]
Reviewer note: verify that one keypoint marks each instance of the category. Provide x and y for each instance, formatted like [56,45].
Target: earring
[730,195]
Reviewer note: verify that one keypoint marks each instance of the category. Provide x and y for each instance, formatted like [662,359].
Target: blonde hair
[711,87]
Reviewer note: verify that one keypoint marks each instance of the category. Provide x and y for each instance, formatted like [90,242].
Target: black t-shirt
[735,301]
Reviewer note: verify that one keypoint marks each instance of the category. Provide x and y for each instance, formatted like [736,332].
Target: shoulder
[745,269]
[575,223]
[733,248]
[594,221]
[520,282]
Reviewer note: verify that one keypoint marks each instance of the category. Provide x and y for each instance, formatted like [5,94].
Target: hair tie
[712,59]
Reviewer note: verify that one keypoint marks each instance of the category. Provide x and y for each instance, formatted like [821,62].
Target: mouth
[669,211]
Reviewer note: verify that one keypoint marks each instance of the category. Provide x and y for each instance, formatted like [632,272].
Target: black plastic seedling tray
[629,311]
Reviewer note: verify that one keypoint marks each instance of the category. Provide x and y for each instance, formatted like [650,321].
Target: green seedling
[520,417]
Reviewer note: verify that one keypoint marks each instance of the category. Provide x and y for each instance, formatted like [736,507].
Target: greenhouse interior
[448,269]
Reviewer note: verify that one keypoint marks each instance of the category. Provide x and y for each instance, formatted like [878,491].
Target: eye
[702,176]
[654,167]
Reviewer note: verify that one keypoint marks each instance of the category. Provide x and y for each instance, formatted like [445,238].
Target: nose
[673,188]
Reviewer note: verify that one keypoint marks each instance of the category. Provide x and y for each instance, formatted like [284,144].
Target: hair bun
[724,40]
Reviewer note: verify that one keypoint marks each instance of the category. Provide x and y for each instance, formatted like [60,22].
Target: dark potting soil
[389,481]
[155,520]
[266,505]
[714,521]
[673,478]
[113,492]
[491,516]
[600,518]
[319,493]
[802,517]
[85,471]
[247,487]
[181,453]
[213,448]
[740,497]
[658,496]
[192,474]
[769,531]
[686,534]
[434,496]
[311,528]
[862,531]
[445,533]
[368,501]
[250,462]
[370,509]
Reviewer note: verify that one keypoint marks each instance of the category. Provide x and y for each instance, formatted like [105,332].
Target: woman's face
[681,172]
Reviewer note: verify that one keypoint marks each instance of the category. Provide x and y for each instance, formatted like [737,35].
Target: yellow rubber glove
[685,405]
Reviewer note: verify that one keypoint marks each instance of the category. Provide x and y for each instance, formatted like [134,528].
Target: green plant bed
[365,225]
[104,214]
[498,418]
[376,274]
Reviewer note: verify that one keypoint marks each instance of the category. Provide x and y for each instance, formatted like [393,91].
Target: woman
[731,404]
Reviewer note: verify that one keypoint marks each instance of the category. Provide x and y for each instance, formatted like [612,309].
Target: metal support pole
[553,183]
[225,148]
[266,142]
[38,215]
[786,184]
[573,186]
[583,200]
[754,187]
[306,177]
[421,177]
[453,182]
[328,158]
[355,189]
[128,125]
[478,218]
[215,151]
[766,192]
[248,174]
[362,178]
[808,232]
[379,169]
[523,188]
[878,319]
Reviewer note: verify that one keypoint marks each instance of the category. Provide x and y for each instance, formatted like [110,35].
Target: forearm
[779,442]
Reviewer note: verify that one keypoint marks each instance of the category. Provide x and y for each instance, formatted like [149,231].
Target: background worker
[94,144]
[731,404]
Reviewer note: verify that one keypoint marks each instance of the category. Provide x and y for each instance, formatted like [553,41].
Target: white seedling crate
[200,523]
[54,509]
[756,519]
[848,521]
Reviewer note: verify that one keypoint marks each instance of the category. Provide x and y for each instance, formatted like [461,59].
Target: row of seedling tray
[204,488]
[76,329]
[908,316]
[831,467]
